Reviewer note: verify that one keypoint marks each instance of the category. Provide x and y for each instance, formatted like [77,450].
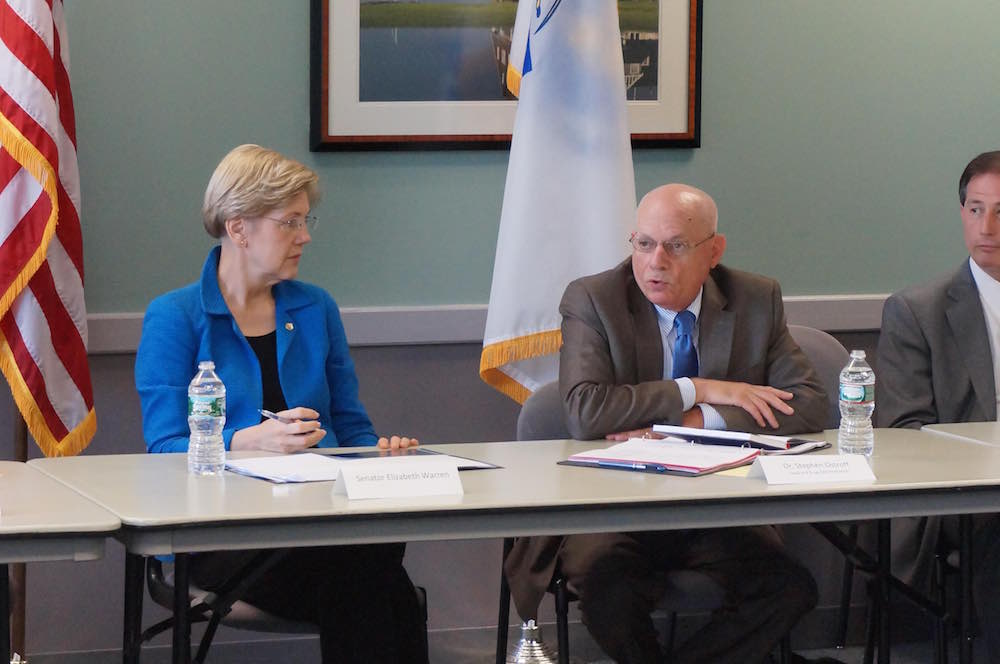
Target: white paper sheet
[307,467]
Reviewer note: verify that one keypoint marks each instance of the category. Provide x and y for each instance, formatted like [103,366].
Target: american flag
[43,319]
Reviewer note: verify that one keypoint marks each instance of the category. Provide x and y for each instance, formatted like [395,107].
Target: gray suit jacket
[934,361]
[611,375]
[934,366]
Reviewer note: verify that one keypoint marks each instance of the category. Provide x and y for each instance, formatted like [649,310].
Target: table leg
[965,572]
[4,612]
[884,573]
[135,565]
[182,601]
[503,615]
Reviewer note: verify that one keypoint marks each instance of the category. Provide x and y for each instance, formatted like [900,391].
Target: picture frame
[355,107]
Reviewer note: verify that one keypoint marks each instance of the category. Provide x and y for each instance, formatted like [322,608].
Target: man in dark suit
[624,365]
[937,363]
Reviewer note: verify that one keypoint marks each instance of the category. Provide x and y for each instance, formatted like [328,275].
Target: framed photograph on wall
[430,73]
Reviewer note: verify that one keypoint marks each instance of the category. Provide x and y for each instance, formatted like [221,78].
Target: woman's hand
[396,442]
[297,430]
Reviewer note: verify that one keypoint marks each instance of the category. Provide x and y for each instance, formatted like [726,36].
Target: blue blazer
[192,324]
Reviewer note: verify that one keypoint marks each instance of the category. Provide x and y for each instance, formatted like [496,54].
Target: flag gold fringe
[74,442]
[513,80]
[31,159]
[77,439]
[496,355]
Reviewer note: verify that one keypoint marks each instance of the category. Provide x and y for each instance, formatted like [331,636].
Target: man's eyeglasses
[674,248]
[295,224]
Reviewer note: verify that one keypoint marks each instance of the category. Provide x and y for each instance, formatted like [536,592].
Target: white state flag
[569,199]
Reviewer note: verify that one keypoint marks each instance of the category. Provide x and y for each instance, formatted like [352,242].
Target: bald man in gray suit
[938,363]
[619,374]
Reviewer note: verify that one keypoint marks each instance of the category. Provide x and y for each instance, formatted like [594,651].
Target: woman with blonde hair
[279,345]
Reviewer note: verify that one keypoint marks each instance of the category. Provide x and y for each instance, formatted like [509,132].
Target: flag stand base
[530,649]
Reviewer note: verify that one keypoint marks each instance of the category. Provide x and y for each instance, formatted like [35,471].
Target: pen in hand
[274,416]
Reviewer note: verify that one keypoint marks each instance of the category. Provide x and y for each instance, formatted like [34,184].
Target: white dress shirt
[989,296]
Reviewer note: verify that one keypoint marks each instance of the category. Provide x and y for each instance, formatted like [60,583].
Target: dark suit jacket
[611,369]
[934,366]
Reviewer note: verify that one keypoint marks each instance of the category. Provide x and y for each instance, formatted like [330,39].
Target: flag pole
[17,571]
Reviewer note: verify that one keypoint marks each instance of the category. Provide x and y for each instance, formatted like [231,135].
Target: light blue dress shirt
[668,335]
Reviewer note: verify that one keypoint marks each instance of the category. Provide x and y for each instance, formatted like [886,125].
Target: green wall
[833,134]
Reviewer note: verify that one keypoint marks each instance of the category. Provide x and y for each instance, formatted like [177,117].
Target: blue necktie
[685,355]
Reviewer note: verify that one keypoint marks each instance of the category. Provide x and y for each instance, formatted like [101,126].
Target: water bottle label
[857,393]
[206,405]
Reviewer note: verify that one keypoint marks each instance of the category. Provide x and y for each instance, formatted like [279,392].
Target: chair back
[541,416]
[828,356]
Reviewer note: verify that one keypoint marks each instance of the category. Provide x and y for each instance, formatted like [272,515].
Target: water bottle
[857,402]
[206,417]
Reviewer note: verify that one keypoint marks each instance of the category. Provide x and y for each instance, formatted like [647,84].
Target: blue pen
[274,416]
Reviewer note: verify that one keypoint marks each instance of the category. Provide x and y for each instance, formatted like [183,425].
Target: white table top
[986,433]
[163,509]
[42,519]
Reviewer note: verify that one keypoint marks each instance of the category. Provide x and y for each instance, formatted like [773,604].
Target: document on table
[314,467]
[669,455]
[306,467]
[772,444]
[463,463]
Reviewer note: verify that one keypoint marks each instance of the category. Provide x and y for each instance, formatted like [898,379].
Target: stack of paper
[771,444]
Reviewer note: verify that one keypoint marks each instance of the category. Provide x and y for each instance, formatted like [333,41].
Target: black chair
[541,418]
[224,607]
[828,357]
[946,565]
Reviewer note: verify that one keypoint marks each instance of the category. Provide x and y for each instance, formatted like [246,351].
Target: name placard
[811,470]
[398,477]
